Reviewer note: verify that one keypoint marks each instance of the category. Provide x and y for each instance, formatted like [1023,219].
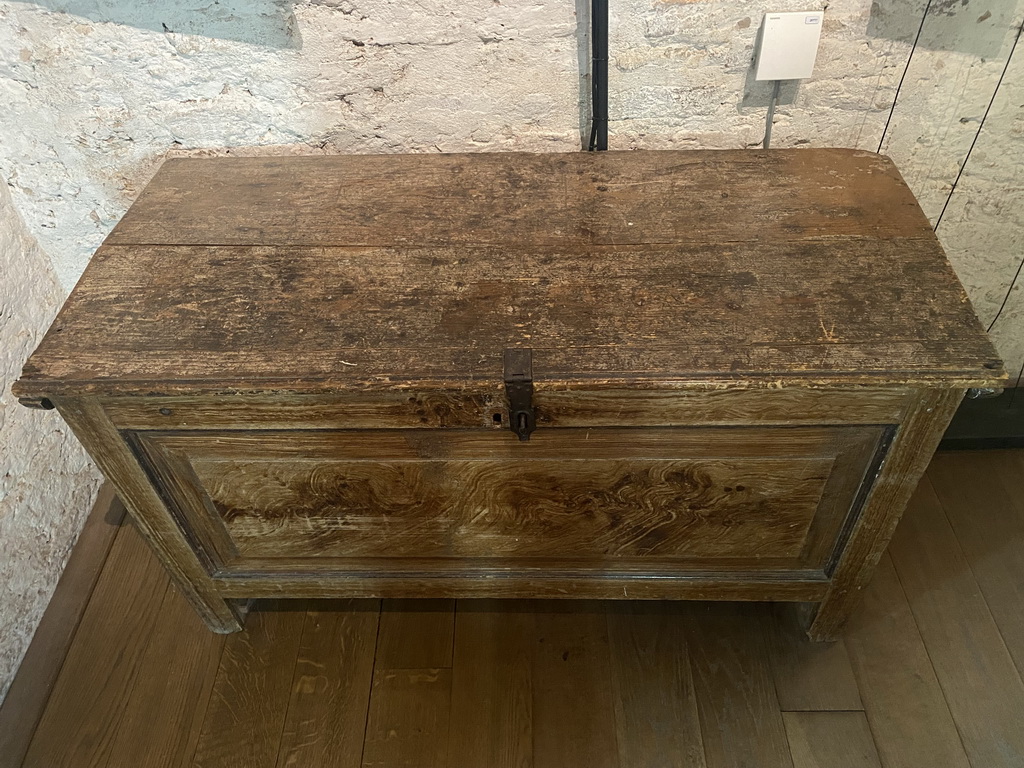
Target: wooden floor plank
[492,685]
[408,722]
[741,724]
[246,714]
[830,740]
[416,634]
[982,493]
[25,702]
[980,682]
[84,713]
[909,718]
[331,687]
[164,714]
[573,713]
[809,676]
[656,720]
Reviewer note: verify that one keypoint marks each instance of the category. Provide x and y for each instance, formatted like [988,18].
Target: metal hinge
[519,388]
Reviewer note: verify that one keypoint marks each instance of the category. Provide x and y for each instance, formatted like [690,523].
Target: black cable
[981,125]
[1006,298]
[906,69]
[1016,388]
[599,75]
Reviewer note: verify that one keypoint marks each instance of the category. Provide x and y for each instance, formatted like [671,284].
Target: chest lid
[656,269]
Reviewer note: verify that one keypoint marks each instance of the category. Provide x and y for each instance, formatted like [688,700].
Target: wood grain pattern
[741,724]
[903,465]
[909,718]
[80,724]
[389,578]
[610,197]
[280,499]
[573,711]
[595,508]
[809,676]
[175,319]
[497,660]
[165,710]
[568,408]
[26,699]
[408,721]
[982,686]
[248,709]
[656,720]
[981,496]
[416,634]
[492,714]
[830,740]
[155,521]
[330,693]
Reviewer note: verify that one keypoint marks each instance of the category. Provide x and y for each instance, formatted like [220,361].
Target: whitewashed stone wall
[46,482]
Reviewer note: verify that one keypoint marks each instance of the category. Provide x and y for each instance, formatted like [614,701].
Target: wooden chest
[736,364]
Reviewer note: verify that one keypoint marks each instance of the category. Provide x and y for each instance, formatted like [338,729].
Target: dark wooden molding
[28,694]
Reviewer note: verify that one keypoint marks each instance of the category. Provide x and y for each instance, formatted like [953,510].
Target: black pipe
[599,74]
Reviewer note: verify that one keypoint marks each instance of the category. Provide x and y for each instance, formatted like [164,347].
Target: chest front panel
[316,496]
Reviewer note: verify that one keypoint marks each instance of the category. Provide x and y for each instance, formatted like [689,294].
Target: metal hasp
[519,387]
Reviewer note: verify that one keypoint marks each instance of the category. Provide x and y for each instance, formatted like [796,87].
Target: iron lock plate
[522,419]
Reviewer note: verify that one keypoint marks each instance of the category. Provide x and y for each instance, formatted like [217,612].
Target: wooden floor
[929,673]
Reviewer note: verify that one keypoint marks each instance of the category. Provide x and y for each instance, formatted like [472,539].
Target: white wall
[95,92]
[46,482]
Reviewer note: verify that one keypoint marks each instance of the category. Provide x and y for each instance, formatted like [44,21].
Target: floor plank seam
[928,653]
[191,758]
[134,676]
[291,686]
[373,673]
[974,577]
[71,643]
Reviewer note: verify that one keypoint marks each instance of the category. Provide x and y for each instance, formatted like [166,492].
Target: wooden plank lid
[655,269]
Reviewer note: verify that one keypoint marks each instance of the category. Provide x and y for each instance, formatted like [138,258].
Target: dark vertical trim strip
[599,75]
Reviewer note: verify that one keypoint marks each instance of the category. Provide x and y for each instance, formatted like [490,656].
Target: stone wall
[96,92]
[46,482]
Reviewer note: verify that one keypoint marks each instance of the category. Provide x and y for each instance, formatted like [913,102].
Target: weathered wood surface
[568,408]
[740,498]
[298,274]
[887,495]
[610,198]
[169,319]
